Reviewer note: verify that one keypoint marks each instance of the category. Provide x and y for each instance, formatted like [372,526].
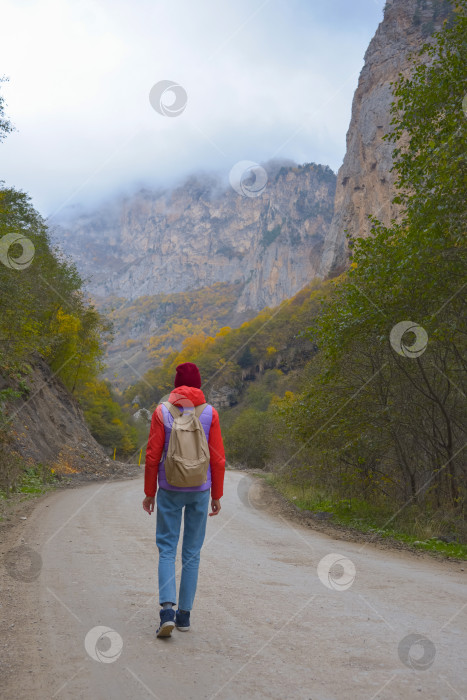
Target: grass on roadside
[35,480]
[412,525]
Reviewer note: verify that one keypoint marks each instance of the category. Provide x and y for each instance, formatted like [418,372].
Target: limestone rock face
[201,233]
[365,184]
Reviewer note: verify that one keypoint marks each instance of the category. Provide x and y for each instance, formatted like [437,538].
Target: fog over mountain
[264,80]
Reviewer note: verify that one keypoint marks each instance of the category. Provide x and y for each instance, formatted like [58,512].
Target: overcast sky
[263,79]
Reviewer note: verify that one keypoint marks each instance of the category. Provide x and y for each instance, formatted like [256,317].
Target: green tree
[107,421]
[248,440]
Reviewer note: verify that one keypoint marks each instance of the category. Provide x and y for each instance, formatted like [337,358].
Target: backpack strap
[176,412]
[173,410]
[199,409]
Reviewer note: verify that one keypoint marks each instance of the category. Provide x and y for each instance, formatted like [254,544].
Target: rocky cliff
[365,183]
[202,232]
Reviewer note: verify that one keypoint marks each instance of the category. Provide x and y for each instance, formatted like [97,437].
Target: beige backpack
[187,459]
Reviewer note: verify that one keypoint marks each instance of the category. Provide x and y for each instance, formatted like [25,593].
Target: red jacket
[157,438]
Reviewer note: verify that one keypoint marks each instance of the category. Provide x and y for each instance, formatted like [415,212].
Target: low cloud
[273,79]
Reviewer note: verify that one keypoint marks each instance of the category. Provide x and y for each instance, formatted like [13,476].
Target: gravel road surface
[275,616]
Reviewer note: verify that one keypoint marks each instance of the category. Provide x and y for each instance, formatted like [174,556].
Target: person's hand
[148,504]
[215,506]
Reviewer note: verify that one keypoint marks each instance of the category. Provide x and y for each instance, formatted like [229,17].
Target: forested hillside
[148,329]
[52,340]
[45,314]
[234,358]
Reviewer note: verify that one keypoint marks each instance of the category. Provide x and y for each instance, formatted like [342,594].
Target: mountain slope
[148,329]
[365,183]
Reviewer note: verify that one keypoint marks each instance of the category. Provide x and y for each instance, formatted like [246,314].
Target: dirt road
[272,619]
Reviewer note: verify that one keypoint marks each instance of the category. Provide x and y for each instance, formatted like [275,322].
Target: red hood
[192,394]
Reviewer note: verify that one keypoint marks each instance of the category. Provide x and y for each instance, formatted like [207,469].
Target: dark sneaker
[182,621]
[167,623]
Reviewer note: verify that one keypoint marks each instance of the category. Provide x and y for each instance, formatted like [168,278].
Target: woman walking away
[185,459]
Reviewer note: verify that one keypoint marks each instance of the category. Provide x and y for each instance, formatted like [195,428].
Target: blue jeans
[169,518]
